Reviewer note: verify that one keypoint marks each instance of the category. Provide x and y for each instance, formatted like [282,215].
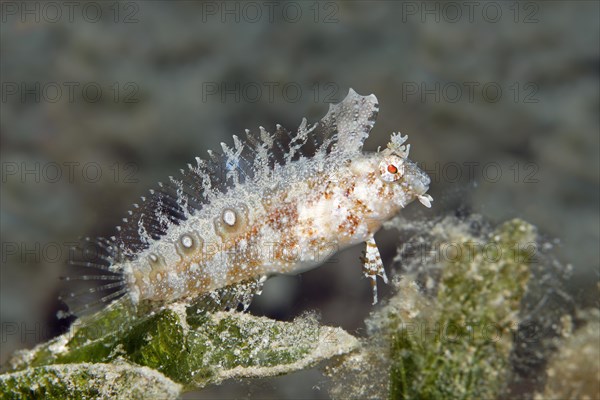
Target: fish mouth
[417,179]
[419,182]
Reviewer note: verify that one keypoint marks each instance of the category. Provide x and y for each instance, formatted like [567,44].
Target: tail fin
[94,280]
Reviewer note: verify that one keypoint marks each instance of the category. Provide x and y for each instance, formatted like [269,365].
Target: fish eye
[391,169]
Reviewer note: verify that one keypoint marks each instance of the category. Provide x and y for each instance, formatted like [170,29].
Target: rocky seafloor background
[500,108]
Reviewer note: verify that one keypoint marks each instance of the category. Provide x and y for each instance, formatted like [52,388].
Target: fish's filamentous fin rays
[96,281]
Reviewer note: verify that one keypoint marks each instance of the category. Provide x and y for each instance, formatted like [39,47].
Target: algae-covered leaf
[192,349]
[88,381]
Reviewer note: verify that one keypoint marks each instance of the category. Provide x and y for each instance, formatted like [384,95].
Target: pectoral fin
[373,266]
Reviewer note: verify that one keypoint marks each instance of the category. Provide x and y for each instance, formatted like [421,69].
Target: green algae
[209,349]
[448,331]
[574,371]
[469,331]
[87,381]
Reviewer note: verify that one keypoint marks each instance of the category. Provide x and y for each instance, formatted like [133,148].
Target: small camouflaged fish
[271,204]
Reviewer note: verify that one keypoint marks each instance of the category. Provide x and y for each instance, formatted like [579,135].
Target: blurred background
[101,100]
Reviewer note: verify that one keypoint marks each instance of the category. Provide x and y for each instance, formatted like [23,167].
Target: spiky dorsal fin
[348,123]
[254,158]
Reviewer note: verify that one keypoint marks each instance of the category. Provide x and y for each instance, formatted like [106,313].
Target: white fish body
[272,203]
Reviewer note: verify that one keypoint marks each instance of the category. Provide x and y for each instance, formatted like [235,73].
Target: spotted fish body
[272,203]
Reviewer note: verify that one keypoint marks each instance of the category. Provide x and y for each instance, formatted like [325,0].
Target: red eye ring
[392,169]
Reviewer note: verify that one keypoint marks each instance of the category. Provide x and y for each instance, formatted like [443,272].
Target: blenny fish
[270,204]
